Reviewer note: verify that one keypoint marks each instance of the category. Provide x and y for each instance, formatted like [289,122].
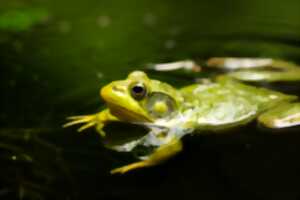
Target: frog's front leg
[257,69]
[283,116]
[98,120]
[161,154]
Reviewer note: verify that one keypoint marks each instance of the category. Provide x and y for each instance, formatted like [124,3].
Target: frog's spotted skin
[215,105]
[228,103]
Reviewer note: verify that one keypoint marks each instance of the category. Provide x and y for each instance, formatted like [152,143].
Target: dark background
[55,55]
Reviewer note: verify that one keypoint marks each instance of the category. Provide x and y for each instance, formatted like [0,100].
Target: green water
[56,54]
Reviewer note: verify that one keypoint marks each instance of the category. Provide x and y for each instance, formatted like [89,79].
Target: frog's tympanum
[213,105]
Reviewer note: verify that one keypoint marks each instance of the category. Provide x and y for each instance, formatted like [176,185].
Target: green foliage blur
[21,20]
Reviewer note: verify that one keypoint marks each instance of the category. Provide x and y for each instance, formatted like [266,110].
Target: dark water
[55,56]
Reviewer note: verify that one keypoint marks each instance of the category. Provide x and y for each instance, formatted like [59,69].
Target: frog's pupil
[138,89]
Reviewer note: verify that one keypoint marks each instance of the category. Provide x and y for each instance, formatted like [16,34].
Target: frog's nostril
[118,88]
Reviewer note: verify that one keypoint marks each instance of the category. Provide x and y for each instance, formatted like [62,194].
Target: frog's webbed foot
[257,69]
[87,120]
[283,116]
[161,154]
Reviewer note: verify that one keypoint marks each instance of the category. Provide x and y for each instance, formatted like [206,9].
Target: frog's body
[227,103]
[171,113]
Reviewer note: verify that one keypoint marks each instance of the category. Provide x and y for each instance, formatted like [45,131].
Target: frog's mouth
[123,106]
[126,114]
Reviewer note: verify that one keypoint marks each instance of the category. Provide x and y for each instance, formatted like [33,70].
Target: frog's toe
[86,126]
[284,116]
[99,128]
[78,117]
[126,168]
[79,120]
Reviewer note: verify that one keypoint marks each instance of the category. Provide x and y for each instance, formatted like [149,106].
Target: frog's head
[140,99]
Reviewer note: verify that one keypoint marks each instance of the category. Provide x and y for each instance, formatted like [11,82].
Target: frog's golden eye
[138,91]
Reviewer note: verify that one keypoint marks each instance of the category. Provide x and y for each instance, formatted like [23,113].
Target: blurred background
[55,55]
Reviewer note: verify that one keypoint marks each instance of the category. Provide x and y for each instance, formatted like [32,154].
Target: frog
[211,105]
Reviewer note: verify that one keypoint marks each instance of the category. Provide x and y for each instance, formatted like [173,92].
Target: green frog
[213,105]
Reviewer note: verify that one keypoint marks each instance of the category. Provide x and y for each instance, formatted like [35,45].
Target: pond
[56,55]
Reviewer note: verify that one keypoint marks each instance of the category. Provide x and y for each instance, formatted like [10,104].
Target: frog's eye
[160,105]
[138,91]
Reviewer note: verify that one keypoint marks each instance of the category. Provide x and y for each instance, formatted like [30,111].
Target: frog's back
[228,102]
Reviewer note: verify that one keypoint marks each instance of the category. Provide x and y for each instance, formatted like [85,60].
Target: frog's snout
[113,91]
[105,91]
[118,88]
